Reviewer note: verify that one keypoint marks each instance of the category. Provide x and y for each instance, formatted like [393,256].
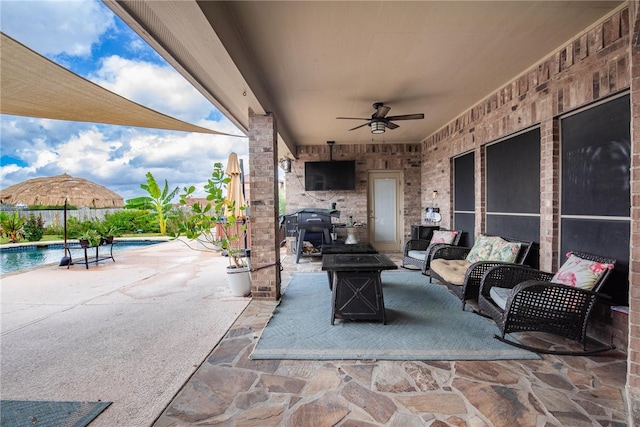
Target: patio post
[263,201]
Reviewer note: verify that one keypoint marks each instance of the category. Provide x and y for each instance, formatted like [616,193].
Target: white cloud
[56,26]
[115,156]
[159,87]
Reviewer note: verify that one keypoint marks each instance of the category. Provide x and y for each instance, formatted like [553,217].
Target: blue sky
[88,39]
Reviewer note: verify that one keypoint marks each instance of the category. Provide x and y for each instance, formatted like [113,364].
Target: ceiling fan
[378,121]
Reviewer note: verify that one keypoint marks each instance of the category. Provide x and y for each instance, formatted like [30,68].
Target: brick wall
[404,157]
[594,65]
[591,67]
[265,252]
[633,369]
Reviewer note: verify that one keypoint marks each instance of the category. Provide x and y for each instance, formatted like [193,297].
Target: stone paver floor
[229,389]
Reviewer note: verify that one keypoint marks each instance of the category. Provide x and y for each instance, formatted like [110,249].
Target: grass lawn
[53,237]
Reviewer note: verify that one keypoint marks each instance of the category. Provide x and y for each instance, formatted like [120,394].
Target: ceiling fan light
[377,127]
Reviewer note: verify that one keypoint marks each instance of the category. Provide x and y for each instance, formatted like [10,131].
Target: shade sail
[234,188]
[55,190]
[33,86]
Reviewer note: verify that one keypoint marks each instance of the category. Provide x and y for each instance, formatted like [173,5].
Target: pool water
[24,257]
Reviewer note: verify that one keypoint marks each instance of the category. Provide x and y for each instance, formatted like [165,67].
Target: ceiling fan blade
[353,118]
[407,117]
[358,127]
[382,111]
[392,125]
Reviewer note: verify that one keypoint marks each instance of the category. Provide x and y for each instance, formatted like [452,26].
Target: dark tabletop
[358,248]
[357,262]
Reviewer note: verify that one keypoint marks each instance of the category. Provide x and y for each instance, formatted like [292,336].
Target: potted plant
[215,227]
[106,234]
[90,238]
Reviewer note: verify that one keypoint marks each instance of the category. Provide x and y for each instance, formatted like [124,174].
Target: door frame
[398,175]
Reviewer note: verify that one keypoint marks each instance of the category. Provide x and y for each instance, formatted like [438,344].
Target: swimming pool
[22,257]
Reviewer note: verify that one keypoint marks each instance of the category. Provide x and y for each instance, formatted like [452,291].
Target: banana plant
[158,201]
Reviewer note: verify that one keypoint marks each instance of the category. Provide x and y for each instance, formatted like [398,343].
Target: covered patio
[103,343]
[230,388]
[502,86]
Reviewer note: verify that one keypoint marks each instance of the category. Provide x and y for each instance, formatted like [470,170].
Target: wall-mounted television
[330,175]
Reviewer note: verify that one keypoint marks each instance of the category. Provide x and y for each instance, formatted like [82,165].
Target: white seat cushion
[421,255]
[499,296]
[451,270]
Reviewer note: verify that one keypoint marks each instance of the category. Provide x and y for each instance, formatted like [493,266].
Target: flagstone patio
[229,389]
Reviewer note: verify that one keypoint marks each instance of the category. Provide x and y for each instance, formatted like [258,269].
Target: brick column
[481,193]
[633,353]
[549,193]
[265,247]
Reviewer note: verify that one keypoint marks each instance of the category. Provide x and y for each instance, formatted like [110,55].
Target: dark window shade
[601,237]
[596,146]
[526,228]
[464,197]
[596,159]
[466,222]
[519,227]
[513,174]
[464,193]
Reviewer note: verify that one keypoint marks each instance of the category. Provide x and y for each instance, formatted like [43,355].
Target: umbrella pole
[244,220]
[66,260]
[64,216]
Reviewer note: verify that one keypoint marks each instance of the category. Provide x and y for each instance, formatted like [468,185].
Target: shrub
[54,230]
[132,220]
[11,226]
[33,228]
[75,227]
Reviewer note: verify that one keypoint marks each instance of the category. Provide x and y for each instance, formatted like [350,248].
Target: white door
[385,210]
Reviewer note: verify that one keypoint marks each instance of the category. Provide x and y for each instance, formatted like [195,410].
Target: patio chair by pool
[521,299]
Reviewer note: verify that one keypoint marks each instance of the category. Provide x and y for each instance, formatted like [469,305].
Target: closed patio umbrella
[234,188]
[61,190]
[235,192]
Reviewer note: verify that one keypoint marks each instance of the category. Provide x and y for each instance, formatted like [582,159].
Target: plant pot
[106,240]
[239,279]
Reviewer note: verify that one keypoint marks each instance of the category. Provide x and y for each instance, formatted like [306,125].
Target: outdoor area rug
[424,322]
[49,413]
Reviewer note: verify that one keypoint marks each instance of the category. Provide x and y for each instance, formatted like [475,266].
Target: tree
[211,225]
[158,200]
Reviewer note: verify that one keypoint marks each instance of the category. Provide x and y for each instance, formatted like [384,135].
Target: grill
[312,222]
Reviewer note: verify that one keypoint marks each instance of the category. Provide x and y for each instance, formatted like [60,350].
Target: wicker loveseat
[521,299]
[460,269]
[417,252]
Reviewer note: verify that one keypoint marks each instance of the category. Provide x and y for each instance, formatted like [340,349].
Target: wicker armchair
[417,252]
[535,304]
[470,286]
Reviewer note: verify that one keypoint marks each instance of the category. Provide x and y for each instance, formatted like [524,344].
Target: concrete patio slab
[131,332]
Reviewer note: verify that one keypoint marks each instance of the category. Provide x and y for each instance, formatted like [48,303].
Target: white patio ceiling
[309,62]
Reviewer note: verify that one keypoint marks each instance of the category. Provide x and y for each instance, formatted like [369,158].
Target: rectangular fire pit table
[357,248]
[357,285]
